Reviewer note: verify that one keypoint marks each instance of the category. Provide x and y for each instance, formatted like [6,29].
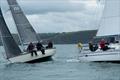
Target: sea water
[65,66]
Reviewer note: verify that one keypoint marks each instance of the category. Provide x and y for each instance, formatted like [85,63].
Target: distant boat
[26,34]
[110,25]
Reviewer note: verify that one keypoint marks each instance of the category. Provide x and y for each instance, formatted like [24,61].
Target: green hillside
[69,37]
[65,37]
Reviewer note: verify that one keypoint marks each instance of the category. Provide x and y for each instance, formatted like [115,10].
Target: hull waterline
[27,58]
[101,56]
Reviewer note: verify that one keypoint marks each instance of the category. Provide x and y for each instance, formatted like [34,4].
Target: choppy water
[65,66]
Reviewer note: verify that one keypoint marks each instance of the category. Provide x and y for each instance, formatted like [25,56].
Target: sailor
[50,45]
[93,47]
[80,46]
[103,45]
[40,47]
[31,49]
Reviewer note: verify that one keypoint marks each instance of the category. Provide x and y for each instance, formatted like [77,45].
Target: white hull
[27,56]
[107,22]
[108,56]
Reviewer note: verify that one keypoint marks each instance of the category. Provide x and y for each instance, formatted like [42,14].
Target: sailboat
[110,25]
[26,34]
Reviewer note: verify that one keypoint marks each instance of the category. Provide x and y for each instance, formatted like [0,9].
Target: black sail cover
[25,29]
[10,46]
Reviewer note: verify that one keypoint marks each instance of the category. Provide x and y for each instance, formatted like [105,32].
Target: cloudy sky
[59,15]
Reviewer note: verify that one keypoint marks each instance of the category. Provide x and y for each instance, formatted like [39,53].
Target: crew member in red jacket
[103,45]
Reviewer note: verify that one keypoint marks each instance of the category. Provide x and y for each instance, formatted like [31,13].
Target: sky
[47,16]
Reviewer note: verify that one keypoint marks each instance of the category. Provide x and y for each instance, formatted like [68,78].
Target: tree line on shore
[64,37]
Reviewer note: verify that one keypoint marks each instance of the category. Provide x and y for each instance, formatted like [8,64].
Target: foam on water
[72,60]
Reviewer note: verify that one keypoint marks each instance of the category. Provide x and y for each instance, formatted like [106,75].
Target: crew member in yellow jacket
[80,46]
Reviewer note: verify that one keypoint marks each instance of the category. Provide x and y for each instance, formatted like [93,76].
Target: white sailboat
[110,25]
[26,33]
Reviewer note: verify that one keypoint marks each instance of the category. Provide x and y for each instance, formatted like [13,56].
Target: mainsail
[26,32]
[110,23]
[9,43]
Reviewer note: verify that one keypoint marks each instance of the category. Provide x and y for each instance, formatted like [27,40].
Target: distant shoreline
[64,37]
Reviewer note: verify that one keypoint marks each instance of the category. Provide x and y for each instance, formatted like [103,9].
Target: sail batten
[110,23]
[9,43]
[26,32]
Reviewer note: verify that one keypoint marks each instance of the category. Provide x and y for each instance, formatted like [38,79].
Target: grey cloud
[63,22]
[35,6]
[57,16]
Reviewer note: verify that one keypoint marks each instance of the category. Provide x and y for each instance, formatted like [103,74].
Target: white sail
[110,23]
